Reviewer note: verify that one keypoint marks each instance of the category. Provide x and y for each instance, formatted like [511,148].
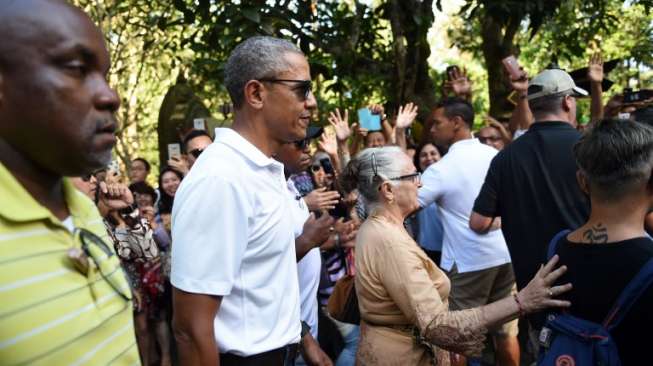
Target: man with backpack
[610,257]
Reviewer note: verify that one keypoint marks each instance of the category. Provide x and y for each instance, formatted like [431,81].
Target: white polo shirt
[454,182]
[232,237]
[308,268]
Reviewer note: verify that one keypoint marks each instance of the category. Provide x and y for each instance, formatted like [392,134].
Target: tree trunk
[498,42]
[410,22]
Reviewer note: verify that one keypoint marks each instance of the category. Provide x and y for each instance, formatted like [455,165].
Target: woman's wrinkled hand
[540,293]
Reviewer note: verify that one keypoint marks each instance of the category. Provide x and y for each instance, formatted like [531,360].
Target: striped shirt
[50,312]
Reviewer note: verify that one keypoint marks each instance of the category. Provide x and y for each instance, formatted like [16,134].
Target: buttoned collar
[18,204]
[237,142]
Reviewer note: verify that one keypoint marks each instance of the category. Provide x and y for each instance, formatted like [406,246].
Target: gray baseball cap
[552,82]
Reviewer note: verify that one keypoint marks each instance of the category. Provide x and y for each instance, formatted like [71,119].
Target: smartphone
[174,150]
[114,168]
[199,124]
[327,166]
[369,121]
[513,68]
[634,96]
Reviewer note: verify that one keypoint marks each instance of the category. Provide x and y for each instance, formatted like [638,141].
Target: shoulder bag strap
[553,245]
[629,295]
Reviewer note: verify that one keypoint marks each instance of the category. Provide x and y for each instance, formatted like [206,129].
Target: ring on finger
[550,290]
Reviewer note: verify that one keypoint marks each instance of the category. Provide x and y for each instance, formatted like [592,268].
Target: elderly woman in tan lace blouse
[402,294]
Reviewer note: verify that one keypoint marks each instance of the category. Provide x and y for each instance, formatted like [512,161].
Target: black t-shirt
[532,185]
[599,273]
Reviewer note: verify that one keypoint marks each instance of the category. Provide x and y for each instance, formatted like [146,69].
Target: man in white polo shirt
[478,265]
[236,296]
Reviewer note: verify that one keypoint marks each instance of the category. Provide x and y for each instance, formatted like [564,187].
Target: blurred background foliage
[360,52]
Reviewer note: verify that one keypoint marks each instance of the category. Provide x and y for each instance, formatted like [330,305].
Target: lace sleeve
[459,331]
[415,292]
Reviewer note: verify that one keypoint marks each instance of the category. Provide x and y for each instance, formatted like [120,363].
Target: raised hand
[595,68]
[340,124]
[377,109]
[520,85]
[328,144]
[179,164]
[115,196]
[406,116]
[459,83]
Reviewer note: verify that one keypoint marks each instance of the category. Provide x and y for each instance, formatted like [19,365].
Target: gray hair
[256,58]
[369,169]
[616,156]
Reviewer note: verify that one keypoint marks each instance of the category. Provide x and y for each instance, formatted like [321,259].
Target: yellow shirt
[50,312]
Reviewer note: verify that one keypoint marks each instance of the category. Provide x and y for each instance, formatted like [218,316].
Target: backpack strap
[629,295]
[553,245]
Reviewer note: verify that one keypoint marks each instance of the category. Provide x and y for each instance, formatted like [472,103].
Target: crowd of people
[279,242]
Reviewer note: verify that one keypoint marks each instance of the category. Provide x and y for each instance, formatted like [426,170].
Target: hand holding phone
[174,150]
[513,68]
[369,121]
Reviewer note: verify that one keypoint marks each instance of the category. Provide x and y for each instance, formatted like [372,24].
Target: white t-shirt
[454,182]
[232,237]
[68,223]
[308,268]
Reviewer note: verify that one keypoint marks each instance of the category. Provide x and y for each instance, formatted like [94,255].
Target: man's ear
[458,123]
[582,182]
[254,94]
[566,103]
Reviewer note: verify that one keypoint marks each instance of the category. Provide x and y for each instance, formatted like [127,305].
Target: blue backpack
[566,340]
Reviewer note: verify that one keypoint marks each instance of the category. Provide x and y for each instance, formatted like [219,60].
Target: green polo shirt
[51,313]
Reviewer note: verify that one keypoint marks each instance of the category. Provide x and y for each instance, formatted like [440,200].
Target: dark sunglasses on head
[196,152]
[303,90]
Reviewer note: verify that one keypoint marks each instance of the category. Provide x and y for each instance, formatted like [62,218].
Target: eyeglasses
[484,139]
[107,263]
[316,168]
[196,152]
[303,90]
[417,176]
[301,144]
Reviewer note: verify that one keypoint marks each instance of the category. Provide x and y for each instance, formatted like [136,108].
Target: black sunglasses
[196,152]
[301,144]
[303,90]
[316,168]
[106,262]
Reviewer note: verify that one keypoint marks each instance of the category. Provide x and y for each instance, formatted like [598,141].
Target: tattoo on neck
[598,234]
